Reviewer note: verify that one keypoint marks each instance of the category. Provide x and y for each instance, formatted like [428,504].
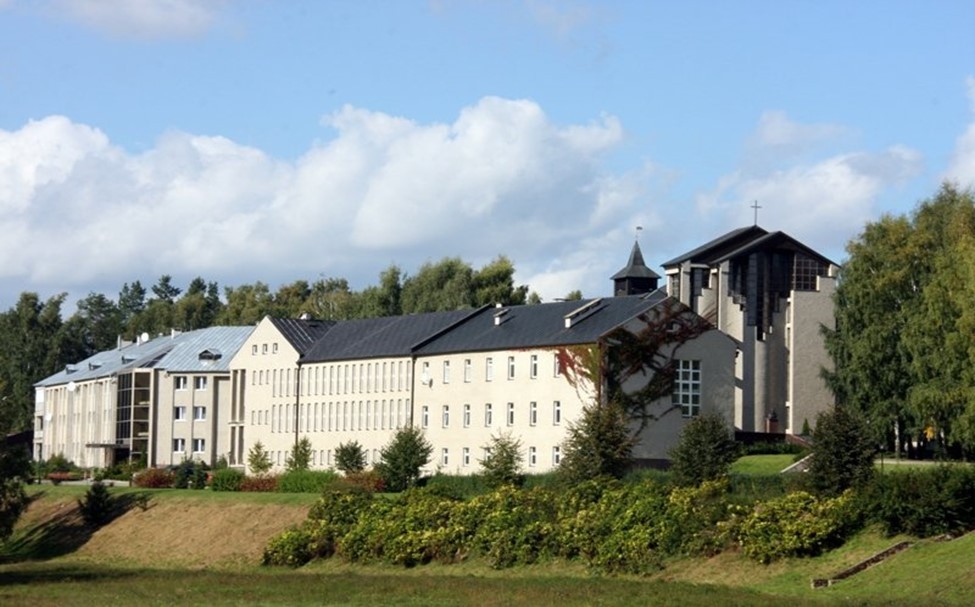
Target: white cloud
[83,214]
[143,19]
[962,167]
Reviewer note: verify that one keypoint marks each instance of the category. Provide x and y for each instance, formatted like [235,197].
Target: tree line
[39,340]
[904,343]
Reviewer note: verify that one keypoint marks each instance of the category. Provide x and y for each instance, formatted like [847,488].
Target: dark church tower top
[636,278]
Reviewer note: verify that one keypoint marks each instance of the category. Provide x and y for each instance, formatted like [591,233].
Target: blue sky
[272,141]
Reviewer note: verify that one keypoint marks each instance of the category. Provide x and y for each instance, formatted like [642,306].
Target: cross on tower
[756,206]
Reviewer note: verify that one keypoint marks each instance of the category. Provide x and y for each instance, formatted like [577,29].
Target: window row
[199,445]
[337,379]
[199,413]
[274,349]
[181,382]
[488,417]
[531,456]
[335,416]
[468,370]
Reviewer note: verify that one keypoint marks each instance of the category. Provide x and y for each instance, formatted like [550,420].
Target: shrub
[923,502]
[190,474]
[334,515]
[798,524]
[300,456]
[403,458]
[350,457]
[291,548]
[705,450]
[259,484]
[502,466]
[455,486]
[369,480]
[258,459]
[842,452]
[57,478]
[512,526]
[227,479]
[598,444]
[306,481]
[154,478]
[96,506]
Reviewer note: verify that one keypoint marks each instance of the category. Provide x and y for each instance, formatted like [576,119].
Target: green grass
[760,465]
[76,491]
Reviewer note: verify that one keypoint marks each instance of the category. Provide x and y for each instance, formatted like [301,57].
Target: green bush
[705,450]
[842,452]
[190,474]
[291,548]
[97,505]
[227,479]
[456,486]
[403,458]
[923,501]
[369,480]
[154,478]
[306,481]
[502,466]
[334,515]
[798,524]
[350,457]
[513,526]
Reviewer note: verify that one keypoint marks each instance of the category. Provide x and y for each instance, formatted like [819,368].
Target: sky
[259,140]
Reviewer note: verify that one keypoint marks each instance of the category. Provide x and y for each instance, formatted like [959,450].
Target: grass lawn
[760,465]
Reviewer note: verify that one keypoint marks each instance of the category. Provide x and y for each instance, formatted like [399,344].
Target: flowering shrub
[154,478]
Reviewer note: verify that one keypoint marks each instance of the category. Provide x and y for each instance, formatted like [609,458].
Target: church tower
[636,278]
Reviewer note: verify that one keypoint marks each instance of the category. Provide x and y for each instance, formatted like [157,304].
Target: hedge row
[229,479]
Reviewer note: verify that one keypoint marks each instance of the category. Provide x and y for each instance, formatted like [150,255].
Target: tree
[246,304]
[705,450]
[502,466]
[598,444]
[14,470]
[300,456]
[350,457]
[164,290]
[96,506]
[258,459]
[445,285]
[403,458]
[843,452]
[495,284]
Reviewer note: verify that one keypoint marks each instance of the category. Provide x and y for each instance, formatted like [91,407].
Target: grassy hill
[200,547]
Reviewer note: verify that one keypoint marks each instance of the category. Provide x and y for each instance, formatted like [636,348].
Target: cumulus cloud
[143,19]
[81,213]
[822,200]
[962,167]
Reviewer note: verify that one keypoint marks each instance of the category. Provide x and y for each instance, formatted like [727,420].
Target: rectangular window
[199,445]
[446,416]
[556,455]
[180,382]
[179,445]
[687,388]
[425,377]
[488,415]
[199,413]
[511,367]
[511,414]
[425,417]
[200,382]
[467,416]
[263,348]
[468,370]
[274,348]
[179,413]
[556,365]
[254,350]
[467,456]
[446,371]
[556,413]
[533,366]
[489,369]
[445,457]
[532,413]
[532,456]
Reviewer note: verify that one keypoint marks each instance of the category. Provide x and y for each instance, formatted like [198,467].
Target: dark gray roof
[773,240]
[380,337]
[636,267]
[706,253]
[302,333]
[541,325]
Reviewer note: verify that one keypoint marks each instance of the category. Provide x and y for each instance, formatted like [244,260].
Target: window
[254,350]
[488,415]
[199,413]
[180,382]
[511,367]
[445,457]
[425,417]
[446,416]
[424,375]
[274,348]
[467,416]
[489,369]
[532,456]
[533,366]
[687,388]
[556,455]
[446,371]
[532,413]
[673,285]
[263,348]
[179,413]
[556,365]
[466,452]
[179,445]
[200,382]
[199,445]
[468,370]
[556,413]
[511,414]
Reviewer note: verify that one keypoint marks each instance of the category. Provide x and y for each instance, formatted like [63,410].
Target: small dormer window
[210,355]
